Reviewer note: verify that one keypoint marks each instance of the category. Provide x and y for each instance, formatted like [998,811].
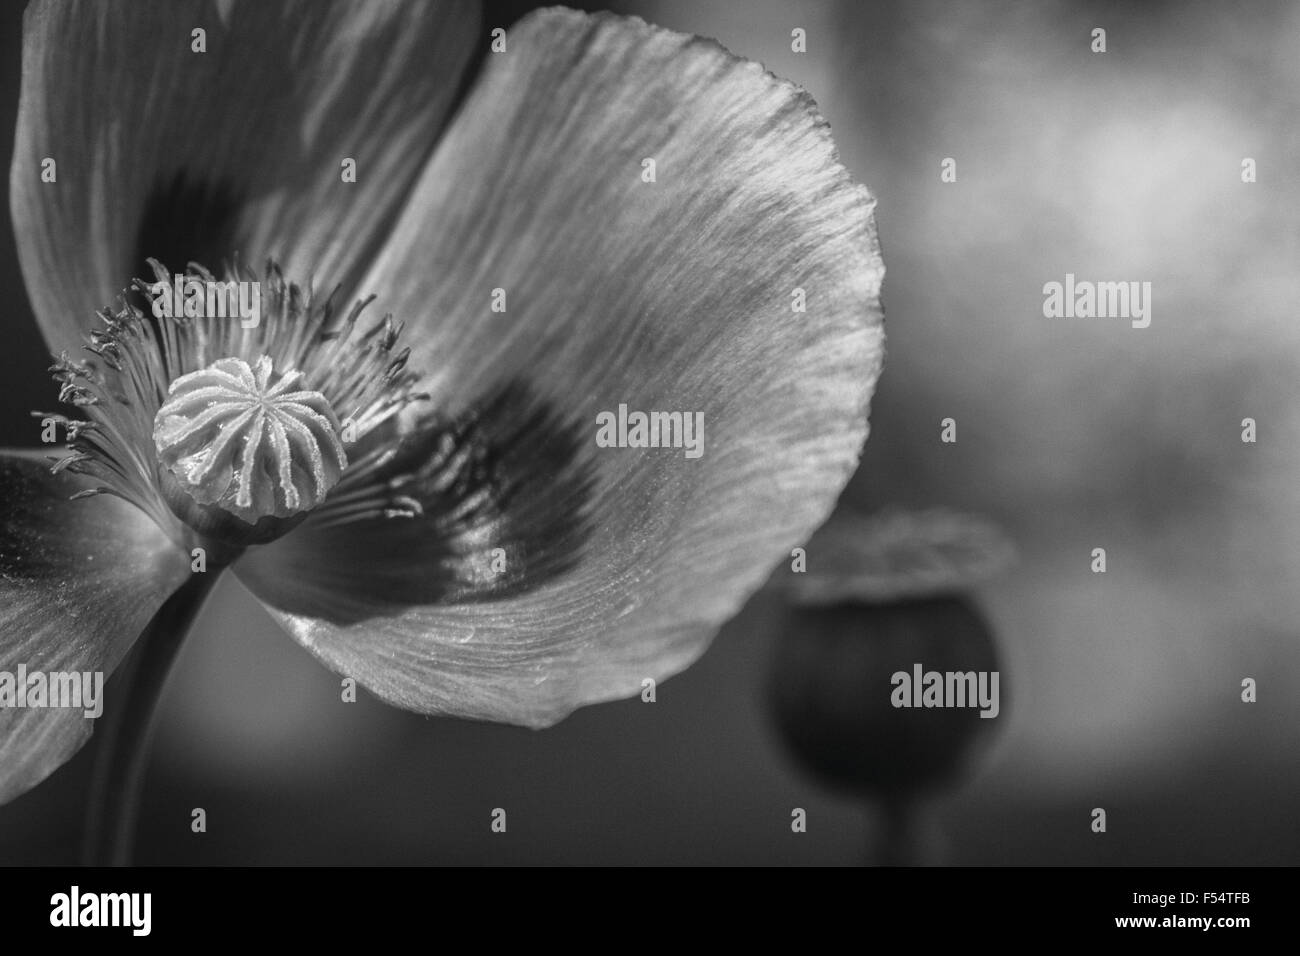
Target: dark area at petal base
[186,220]
[509,514]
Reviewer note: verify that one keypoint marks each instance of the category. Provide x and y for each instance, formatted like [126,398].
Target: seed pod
[832,693]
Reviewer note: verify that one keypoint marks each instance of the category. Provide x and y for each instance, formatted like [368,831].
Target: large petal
[676,295]
[79,580]
[163,151]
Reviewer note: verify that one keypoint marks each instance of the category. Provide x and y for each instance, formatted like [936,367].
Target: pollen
[249,441]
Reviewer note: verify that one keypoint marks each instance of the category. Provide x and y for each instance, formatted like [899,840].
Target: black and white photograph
[650,434]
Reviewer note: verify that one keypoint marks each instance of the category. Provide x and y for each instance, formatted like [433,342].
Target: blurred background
[1072,434]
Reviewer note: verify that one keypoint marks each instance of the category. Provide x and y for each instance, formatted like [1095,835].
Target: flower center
[252,443]
[232,433]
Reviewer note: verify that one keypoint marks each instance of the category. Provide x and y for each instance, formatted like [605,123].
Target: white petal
[166,152]
[79,580]
[675,295]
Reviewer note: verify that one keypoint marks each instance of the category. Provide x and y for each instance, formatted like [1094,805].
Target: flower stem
[124,733]
[894,841]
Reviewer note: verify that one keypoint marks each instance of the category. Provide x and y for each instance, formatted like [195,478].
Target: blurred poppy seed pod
[886,680]
[841,669]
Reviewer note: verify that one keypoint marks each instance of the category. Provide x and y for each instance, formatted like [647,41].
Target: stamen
[249,419]
[444,463]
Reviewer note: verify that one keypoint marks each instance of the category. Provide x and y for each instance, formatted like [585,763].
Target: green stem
[124,732]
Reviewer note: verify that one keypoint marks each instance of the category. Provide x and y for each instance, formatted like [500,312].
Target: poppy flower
[399,459]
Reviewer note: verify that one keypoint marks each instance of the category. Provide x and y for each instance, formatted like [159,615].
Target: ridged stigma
[253,443]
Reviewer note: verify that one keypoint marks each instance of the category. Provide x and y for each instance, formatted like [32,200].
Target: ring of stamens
[287,396]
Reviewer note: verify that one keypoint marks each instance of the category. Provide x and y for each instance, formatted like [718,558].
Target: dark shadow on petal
[186,220]
[504,490]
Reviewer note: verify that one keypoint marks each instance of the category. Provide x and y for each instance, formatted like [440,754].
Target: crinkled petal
[672,295]
[162,151]
[79,580]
